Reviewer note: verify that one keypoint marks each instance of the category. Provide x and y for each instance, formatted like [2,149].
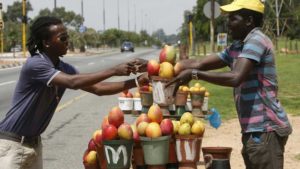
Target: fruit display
[193,98]
[168,54]
[188,125]
[113,135]
[157,137]
[152,124]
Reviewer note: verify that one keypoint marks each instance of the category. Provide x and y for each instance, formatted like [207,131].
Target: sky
[148,15]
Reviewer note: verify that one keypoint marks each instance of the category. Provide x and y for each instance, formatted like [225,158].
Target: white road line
[6,83]
[91,63]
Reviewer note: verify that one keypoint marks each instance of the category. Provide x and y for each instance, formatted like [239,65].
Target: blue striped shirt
[256,101]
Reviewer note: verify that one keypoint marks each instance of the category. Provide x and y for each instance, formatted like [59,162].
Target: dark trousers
[263,150]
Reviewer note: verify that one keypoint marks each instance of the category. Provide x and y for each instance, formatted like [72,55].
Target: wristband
[137,82]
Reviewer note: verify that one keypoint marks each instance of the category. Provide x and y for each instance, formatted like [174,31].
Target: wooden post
[296,47]
[204,50]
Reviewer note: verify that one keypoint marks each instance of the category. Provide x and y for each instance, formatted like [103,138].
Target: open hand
[124,69]
[187,64]
[143,79]
[183,78]
[140,65]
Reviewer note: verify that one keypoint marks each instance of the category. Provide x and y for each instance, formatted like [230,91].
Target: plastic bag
[215,118]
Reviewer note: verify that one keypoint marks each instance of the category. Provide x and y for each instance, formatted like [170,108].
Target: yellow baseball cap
[254,5]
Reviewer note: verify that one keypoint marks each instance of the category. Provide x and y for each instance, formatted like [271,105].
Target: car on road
[127,46]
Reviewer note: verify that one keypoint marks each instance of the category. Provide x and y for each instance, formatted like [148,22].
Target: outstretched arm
[210,62]
[109,88]
[79,81]
[231,78]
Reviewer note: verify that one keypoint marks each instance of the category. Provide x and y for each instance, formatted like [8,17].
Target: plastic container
[205,105]
[146,98]
[138,156]
[188,148]
[188,106]
[125,104]
[181,98]
[188,151]
[217,152]
[118,153]
[156,150]
[137,104]
[197,99]
[217,157]
[161,94]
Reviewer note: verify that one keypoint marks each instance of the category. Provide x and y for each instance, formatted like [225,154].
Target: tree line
[289,20]
[12,34]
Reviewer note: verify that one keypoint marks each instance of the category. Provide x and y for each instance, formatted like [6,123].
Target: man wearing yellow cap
[264,123]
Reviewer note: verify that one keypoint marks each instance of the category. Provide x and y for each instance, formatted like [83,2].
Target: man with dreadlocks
[42,83]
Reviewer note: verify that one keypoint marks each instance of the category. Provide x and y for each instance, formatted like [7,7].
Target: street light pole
[134,17]
[54,4]
[24,22]
[128,16]
[82,8]
[118,15]
[1,28]
[103,15]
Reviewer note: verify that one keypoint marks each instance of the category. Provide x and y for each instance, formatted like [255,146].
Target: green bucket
[156,150]
[118,153]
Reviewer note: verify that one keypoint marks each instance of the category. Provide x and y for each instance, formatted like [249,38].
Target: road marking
[68,103]
[91,63]
[6,83]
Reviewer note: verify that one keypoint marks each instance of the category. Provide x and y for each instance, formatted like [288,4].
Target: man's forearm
[109,88]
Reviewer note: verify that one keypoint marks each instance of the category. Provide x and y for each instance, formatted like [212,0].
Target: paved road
[79,113]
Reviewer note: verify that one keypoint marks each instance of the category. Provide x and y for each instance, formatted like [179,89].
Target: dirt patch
[229,135]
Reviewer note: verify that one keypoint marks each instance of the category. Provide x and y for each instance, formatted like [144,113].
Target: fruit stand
[168,130]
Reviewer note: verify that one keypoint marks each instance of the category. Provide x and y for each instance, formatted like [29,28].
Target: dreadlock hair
[257,16]
[39,31]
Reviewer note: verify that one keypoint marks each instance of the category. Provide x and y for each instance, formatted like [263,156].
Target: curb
[5,66]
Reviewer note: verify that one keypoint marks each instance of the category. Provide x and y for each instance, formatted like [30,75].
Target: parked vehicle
[127,46]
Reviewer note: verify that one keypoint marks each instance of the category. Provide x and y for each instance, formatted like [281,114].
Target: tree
[14,12]
[69,18]
[13,20]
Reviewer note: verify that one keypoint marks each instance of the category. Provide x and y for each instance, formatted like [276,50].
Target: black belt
[30,141]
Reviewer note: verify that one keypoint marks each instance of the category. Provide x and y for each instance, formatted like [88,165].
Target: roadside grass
[288,70]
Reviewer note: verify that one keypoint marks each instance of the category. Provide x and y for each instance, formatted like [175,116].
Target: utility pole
[212,27]
[1,28]
[128,16]
[82,8]
[103,15]
[134,17]
[118,15]
[54,4]
[191,43]
[24,23]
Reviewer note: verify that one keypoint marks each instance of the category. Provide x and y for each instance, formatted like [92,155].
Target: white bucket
[205,104]
[188,106]
[125,103]
[172,107]
[161,94]
[137,104]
